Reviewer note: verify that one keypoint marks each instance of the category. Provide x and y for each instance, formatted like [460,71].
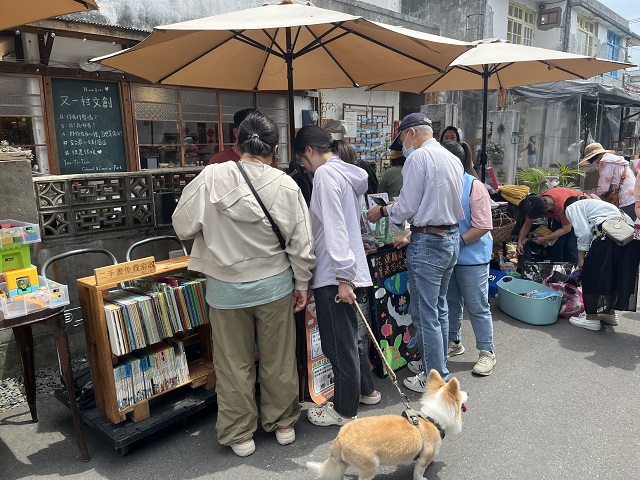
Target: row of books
[150,371]
[147,311]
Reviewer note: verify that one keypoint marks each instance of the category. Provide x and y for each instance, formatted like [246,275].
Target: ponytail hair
[344,150]
[258,135]
[320,140]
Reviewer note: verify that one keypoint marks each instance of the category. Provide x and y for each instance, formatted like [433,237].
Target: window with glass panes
[275,106]
[21,119]
[585,36]
[180,126]
[520,24]
[613,51]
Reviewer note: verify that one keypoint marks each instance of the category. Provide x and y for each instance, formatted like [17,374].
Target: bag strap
[264,209]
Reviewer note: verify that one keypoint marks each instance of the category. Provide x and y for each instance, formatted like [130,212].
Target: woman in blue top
[469,283]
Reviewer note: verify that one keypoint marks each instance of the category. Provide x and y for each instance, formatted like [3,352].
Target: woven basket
[502,227]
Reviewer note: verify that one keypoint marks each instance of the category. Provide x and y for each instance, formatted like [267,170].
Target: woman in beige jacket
[253,284]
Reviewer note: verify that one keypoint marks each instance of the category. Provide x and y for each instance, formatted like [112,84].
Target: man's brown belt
[435,229]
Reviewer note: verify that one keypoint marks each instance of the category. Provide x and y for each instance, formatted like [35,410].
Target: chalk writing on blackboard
[88,126]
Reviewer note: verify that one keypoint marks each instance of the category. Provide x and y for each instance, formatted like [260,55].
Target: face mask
[406,151]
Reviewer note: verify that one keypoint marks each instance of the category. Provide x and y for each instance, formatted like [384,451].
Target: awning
[612,96]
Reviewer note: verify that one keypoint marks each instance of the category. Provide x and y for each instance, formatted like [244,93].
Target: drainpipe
[567,26]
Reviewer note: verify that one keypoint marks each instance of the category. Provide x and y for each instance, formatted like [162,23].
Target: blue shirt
[232,295]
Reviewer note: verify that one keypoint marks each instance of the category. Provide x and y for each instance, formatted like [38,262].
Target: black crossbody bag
[264,209]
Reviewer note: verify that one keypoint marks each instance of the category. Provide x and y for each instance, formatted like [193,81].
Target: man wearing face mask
[430,201]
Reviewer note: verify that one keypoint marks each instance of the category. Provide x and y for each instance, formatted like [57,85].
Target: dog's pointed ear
[453,387]
[435,379]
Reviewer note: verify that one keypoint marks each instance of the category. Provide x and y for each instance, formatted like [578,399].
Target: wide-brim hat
[411,120]
[591,151]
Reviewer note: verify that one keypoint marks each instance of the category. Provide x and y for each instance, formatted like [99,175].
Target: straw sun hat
[591,151]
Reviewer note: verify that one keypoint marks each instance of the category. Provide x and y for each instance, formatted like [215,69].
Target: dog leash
[387,367]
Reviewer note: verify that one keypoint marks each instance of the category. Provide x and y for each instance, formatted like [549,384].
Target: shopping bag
[636,231]
[538,271]
[572,302]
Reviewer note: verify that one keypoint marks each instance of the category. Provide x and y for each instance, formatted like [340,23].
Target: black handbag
[264,209]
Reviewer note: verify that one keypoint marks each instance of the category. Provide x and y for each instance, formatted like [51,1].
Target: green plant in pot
[536,178]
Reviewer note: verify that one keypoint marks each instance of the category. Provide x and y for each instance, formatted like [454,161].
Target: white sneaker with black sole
[415,367]
[417,383]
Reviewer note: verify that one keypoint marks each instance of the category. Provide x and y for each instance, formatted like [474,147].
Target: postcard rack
[102,360]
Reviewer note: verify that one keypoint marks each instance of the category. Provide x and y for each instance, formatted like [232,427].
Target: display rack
[102,361]
[373,134]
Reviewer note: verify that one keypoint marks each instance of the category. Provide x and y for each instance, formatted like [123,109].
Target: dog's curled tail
[331,469]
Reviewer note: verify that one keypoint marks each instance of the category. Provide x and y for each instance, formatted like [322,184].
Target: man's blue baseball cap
[411,120]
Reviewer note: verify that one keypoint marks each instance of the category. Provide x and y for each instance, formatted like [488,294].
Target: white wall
[394,5]
[497,12]
[332,101]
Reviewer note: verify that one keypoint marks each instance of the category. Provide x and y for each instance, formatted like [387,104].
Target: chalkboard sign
[88,126]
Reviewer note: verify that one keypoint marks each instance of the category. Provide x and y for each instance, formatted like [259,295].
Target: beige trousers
[235,333]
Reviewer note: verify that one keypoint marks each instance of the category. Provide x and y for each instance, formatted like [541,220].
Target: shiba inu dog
[367,443]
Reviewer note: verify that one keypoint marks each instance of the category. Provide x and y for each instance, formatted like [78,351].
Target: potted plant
[538,179]
[495,151]
[7,152]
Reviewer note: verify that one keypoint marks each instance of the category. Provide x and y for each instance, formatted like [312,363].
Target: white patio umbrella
[288,46]
[19,12]
[495,64]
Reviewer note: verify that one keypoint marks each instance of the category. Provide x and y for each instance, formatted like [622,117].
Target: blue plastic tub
[534,311]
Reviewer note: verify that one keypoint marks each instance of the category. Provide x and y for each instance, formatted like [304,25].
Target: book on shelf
[150,371]
[146,312]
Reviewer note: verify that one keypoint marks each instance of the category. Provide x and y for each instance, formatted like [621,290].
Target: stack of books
[148,311]
[150,371]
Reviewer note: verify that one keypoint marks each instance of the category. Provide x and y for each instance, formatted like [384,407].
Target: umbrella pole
[292,113]
[485,92]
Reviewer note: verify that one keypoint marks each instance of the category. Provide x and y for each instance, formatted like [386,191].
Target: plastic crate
[534,311]
[50,295]
[14,232]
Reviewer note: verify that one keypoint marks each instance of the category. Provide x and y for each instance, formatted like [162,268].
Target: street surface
[562,403]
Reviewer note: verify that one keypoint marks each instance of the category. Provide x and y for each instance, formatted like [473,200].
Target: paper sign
[320,372]
[351,123]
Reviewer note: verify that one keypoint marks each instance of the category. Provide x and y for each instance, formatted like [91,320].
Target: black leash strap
[264,209]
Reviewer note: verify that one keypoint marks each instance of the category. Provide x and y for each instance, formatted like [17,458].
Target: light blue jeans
[469,286]
[430,262]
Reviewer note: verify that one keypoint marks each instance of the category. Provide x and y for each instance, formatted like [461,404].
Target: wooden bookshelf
[102,360]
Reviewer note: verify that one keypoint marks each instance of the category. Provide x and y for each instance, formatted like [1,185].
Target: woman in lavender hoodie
[341,270]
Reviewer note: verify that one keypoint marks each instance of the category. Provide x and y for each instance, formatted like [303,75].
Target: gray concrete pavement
[562,403]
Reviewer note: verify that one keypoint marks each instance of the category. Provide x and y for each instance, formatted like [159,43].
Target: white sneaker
[244,448]
[455,349]
[285,438]
[417,383]
[582,321]
[372,399]
[609,319]
[486,362]
[415,366]
[326,415]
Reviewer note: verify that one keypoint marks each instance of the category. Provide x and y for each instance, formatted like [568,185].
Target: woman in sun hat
[613,170]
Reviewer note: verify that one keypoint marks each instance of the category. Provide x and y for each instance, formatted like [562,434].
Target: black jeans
[338,327]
